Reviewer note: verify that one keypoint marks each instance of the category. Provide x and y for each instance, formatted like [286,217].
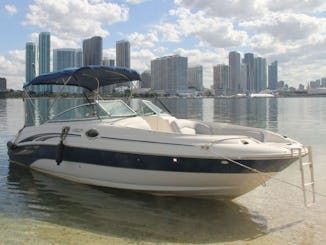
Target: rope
[262,173]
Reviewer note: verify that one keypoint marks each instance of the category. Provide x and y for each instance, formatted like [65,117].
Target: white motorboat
[107,143]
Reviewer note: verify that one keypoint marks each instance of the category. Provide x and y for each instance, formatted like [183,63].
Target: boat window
[148,108]
[82,112]
[117,108]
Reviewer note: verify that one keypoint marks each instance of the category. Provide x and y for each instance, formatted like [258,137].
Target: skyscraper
[221,79]
[30,61]
[250,63]
[195,77]
[108,62]
[272,75]
[3,84]
[122,50]
[66,58]
[92,51]
[260,74]
[234,66]
[44,46]
[169,74]
[146,79]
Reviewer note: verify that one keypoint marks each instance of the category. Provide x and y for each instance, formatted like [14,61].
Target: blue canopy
[89,77]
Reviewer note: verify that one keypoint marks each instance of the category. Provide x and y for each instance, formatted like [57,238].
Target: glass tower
[122,50]
[92,51]
[272,76]
[66,58]
[30,61]
[44,52]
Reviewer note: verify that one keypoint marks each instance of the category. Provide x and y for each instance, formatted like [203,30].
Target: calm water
[40,209]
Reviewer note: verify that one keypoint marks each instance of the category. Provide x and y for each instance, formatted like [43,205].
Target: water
[40,209]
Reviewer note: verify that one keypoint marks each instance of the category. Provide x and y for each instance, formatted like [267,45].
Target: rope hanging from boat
[207,147]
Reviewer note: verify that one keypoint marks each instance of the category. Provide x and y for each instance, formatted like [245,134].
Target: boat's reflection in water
[132,215]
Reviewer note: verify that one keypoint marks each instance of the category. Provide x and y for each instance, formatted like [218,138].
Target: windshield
[93,111]
[117,108]
[146,107]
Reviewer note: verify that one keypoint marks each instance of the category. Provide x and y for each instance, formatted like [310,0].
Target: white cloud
[75,19]
[211,31]
[287,26]
[295,5]
[226,8]
[135,1]
[169,32]
[139,40]
[141,59]
[11,9]
[13,66]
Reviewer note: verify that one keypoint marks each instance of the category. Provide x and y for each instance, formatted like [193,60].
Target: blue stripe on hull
[29,154]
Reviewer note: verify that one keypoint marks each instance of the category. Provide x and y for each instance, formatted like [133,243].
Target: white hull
[157,182]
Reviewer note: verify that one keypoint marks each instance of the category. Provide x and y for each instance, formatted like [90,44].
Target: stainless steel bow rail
[307,185]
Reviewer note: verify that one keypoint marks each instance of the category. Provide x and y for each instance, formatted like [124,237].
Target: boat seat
[158,123]
[133,122]
[183,126]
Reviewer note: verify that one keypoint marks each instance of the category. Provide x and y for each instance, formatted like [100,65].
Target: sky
[293,32]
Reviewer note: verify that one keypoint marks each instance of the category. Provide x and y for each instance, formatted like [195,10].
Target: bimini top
[89,77]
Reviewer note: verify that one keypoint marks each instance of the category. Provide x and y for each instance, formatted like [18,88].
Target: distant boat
[260,95]
[317,91]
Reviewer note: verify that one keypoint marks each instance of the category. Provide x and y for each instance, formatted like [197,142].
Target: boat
[107,143]
[261,95]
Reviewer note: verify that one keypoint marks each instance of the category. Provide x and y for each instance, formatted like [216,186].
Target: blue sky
[290,31]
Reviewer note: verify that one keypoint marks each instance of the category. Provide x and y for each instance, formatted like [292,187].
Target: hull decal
[45,136]
[32,153]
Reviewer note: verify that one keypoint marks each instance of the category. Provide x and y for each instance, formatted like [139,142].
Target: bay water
[39,209]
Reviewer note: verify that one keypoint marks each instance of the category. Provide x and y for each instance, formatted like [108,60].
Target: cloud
[135,1]
[75,19]
[141,59]
[295,5]
[287,27]
[11,9]
[212,31]
[226,8]
[12,65]
[139,40]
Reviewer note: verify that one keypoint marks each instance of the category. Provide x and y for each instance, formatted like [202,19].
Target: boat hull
[164,175]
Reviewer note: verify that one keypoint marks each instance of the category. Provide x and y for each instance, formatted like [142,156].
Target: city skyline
[293,33]
[169,73]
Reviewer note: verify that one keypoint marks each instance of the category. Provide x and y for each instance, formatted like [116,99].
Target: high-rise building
[243,78]
[195,77]
[250,63]
[323,82]
[260,74]
[234,66]
[30,59]
[3,84]
[92,51]
[66,58]
[44,47]
[145,79]
[221,79]
[122,50]
[108,62]
[169,74]
[272,76]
